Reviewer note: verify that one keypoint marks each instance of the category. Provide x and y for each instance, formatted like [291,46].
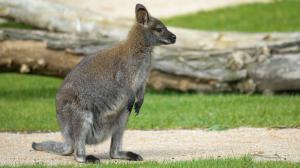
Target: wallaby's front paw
[134,157]
[137,106]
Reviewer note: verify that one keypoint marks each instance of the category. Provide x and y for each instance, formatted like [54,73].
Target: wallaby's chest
[142,71]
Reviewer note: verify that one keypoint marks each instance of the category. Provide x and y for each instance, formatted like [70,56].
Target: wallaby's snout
[167,38]
[171,38]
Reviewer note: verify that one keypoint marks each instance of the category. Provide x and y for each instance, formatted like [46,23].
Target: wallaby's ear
[141,13]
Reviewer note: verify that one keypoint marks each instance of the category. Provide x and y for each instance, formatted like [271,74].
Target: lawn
[13,24]
[245,162]
[257,17]
[27,103]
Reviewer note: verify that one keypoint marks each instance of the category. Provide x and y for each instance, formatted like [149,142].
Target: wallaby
[97,96]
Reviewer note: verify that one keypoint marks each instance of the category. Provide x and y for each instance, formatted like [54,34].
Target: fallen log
[34,57]
[271,67]
[54,16]
[57,17]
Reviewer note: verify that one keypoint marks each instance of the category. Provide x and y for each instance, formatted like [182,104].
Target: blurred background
[236,62]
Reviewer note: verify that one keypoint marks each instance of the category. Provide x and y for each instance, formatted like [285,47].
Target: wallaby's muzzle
[172,38]
[169,38]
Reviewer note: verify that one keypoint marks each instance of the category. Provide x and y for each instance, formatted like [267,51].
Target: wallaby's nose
[173,38]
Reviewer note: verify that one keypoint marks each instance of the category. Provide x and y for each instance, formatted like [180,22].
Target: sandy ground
[167,145]
[159,8]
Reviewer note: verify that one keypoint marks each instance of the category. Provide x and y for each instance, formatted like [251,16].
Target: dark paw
[134,157]
[92,159]
[137,107]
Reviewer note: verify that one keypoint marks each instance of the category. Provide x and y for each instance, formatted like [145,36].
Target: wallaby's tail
[53,147]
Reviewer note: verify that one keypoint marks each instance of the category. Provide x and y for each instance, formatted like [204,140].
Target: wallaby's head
[156,33]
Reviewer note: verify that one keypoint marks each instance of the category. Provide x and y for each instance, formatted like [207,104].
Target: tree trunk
[54,16]
[274,67]
[199,61]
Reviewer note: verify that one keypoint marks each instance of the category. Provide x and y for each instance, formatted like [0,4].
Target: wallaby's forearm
[139,98]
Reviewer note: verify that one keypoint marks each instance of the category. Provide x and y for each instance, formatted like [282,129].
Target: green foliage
[256,17]
[13,24]
[245,162]
[27,103]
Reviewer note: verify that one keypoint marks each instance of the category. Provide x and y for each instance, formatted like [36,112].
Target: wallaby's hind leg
[116,142]
[80,149]
[82,127]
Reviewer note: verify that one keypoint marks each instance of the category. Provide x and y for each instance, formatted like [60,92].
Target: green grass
[257,17]
[245,162]
[13,24]
[27,103]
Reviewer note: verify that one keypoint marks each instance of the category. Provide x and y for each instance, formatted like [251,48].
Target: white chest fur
[142,72]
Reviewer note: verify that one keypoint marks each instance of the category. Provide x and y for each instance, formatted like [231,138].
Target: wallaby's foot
[134,156]
[87,159]
[127,156]
[92,159]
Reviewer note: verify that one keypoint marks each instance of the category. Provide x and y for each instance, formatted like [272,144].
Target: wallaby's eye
[159,30]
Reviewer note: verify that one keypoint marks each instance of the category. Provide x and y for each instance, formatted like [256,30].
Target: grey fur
[96,97]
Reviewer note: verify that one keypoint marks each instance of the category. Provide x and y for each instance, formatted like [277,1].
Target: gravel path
[167,145]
